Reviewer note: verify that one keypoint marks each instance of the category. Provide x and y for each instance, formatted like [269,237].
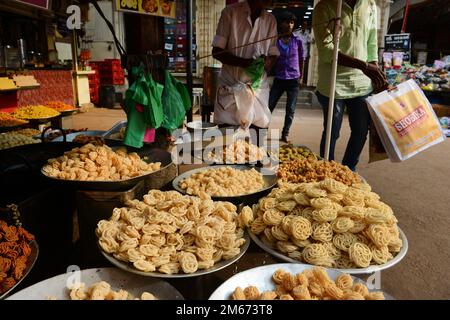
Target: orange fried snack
[14,253]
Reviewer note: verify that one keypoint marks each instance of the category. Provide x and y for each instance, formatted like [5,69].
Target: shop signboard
[400,42]
[44,4]
[160,8]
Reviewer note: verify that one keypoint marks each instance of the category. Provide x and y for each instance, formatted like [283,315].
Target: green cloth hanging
[176,102]
[147,93]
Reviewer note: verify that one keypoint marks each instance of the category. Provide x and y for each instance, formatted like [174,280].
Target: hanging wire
[329,26]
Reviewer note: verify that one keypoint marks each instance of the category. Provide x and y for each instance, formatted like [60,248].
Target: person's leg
[338,113]
[291,103]
[359,119]
[275,93]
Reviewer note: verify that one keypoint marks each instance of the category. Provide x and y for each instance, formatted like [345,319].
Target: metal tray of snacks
[59,287]
[217,266]
[269,176]
[262,278]
[147,154]
[370,269]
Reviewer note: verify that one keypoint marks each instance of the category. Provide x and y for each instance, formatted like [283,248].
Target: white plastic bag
[405,121]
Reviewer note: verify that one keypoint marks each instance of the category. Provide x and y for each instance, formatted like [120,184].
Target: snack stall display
[318,213]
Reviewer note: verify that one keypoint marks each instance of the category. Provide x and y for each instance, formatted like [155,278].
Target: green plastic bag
[256,72]
[147,93]
[176,102]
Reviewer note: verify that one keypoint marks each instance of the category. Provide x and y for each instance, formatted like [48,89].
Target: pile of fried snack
[14,252]
[172,233]
[327,224]
[98,163]
[311,284]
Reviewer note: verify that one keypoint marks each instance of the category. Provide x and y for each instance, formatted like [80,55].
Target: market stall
[318,214]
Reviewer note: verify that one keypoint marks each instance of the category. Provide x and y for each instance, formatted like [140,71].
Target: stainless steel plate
[261,277]
[218,266]
[57,287]
[270,180]
[30,264]
[368,270]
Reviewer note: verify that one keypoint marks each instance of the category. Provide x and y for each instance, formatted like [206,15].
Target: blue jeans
[278,88]
[359,119]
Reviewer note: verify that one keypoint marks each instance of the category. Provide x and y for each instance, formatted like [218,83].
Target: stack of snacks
[310,170]
[103,291]
[311,284]
[14,253]
[7,120]
[59,106]
[172,233]
[35,112]
[11,140]
[289,152]
[98,163]
[327,224]
[239,152]
[223,182]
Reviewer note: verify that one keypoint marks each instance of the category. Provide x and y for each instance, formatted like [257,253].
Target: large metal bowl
[270,181]
[370,269]
[148,154]
[202,126]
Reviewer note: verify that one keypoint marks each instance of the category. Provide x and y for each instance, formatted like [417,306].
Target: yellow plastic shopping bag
[405,121]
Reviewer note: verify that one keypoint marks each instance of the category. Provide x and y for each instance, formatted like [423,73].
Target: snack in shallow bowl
[238,152]
[98,163]
[310,170]
[327,224]
[310,284]
[35,112]
[223,182]
[171,233]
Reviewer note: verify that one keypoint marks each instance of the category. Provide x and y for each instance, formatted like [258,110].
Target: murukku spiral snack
[324,215]
[379,234]
[342,224]
[322,232]
[360,254]
[301,228]
[317,254]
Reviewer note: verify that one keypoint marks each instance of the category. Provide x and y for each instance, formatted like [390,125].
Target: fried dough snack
[14,253]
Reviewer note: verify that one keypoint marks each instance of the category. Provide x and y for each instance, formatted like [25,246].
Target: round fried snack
[301,228]
[238,294]
[360,254]
[322,232]
[317,254]
[344,282]
[379,234]
[342,224]
[278,276]
[361,289]
[251,293]
[301,292]
[343,241]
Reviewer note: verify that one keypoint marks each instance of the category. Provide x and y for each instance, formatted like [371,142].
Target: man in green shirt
[358,74]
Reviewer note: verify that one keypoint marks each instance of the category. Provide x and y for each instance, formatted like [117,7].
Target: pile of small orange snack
[14,253]
[7,120]
[59,106]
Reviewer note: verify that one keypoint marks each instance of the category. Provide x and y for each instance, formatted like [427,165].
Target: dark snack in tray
[14,253]
[84,139]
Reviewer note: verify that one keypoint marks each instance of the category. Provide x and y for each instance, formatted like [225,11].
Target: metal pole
[75,66]
[337,33]
[405,17]
[189,55]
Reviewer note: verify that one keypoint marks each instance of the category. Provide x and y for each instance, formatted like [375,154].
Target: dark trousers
[359,119]
[278,88]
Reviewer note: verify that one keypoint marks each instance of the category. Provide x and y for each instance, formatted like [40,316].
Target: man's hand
[227,58]
[377,76]
[269,63]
